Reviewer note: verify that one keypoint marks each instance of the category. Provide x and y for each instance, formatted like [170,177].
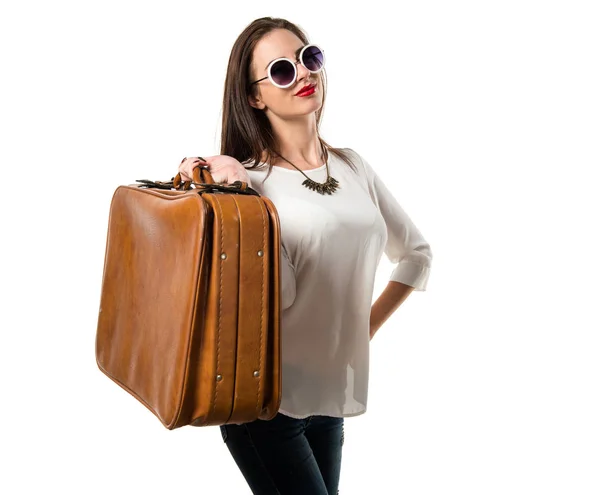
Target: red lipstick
[307,90]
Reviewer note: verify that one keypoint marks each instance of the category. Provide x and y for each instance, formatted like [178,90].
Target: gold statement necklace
[327,187]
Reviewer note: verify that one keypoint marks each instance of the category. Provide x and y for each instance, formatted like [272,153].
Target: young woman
[337,219]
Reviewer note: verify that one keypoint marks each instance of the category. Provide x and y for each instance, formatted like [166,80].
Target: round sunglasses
[282,71]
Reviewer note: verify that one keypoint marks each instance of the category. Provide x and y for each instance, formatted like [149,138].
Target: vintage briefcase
[189,317]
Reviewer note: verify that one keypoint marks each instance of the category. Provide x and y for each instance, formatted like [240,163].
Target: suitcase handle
[201,175]
[203,178]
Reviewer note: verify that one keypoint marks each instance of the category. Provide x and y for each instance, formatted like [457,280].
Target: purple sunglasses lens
[313,58]
[282,72]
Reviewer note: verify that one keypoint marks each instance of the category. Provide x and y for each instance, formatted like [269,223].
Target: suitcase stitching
[262,312]
[220,310]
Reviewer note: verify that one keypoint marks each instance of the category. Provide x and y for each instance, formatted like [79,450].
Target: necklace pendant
[328,187]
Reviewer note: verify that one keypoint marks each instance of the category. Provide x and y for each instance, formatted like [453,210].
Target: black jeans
[288,456]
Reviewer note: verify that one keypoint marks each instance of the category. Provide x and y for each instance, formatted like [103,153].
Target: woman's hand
[223,168]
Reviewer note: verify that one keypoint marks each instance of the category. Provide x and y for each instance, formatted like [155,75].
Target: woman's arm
[405,247]
[389,301]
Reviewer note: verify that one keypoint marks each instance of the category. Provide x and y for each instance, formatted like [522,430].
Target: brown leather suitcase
[189,318]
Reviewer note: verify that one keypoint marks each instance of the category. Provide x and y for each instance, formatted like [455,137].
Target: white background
[484,120]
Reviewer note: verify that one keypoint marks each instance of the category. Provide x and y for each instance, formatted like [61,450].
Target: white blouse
[331,246]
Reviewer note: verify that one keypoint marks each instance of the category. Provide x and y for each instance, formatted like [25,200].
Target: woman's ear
[256,102]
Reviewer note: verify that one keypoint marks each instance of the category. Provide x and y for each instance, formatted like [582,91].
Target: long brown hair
[246,131]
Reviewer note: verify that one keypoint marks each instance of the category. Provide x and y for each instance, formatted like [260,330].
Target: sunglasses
[282,71]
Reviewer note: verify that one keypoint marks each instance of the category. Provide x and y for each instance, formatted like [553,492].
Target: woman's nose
[302,71]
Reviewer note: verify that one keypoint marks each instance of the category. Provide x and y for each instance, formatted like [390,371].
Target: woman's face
[282,102]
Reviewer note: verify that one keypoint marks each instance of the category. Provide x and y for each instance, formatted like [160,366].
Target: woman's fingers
[224,169]
[186,167]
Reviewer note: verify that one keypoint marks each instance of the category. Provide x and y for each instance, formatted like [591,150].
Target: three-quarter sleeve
[405,246]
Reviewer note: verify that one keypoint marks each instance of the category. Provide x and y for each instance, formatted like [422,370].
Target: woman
[337,219]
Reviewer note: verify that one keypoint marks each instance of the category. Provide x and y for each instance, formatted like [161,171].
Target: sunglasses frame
[294,64]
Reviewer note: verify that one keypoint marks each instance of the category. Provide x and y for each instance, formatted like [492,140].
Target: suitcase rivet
[219,378]
[223,256]
[260,253]
[256,373]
